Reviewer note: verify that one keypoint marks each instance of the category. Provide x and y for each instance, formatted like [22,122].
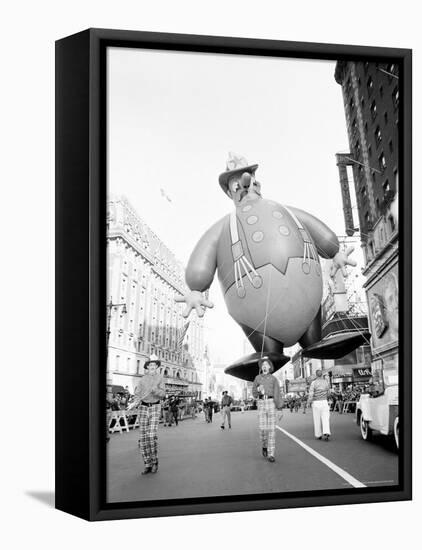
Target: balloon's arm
[325,240]
[202,263]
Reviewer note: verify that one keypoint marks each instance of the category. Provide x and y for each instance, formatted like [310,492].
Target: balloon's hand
[340,260]
[194,300]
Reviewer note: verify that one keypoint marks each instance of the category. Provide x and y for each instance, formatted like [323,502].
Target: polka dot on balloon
[277,214]
[257,281]
[257,236]
[252,219]
[284,230]
[247,208]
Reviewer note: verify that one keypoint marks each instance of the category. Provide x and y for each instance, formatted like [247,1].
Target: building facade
[144,275]
[371,103]
[208,378]
[225,382]
[286,374]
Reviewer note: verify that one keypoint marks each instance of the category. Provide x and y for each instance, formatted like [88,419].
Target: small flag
[164,195]
[182,336]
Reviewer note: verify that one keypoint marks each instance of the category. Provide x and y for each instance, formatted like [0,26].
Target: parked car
[378,409]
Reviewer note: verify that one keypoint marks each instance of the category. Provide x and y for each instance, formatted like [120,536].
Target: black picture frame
[81,269]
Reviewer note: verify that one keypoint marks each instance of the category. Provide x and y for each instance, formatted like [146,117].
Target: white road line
[382,481]
[339,471]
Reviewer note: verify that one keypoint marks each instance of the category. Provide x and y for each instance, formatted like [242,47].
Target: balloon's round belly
[283,306]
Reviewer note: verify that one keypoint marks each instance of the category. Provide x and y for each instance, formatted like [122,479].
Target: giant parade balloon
[266,255]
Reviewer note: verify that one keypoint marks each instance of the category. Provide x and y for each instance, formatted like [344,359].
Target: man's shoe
[147,470]
[222,427]
[326,437]
[264,452]
[230,427]
[154,468]
[271,459]
[320,437]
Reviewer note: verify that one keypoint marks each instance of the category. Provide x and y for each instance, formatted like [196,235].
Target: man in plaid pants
[147,396]
[266,390]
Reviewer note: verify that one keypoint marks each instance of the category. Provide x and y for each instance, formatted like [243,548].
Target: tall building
[286,373]
[144,274]
[223,382]
[208,377]
[371,103]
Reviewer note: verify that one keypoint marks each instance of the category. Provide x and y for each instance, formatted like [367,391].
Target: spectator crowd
[336,400]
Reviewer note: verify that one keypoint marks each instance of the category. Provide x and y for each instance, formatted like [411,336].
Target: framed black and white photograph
[233,294]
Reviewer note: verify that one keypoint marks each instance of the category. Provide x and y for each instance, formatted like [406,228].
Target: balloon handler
[266,391]
[267,258]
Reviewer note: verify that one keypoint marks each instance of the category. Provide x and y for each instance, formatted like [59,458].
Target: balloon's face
[244,188]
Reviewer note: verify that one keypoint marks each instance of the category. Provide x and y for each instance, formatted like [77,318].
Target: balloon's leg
[259,342]
[313,332]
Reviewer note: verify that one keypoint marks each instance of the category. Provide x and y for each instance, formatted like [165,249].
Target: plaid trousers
[149,418]
[266,424]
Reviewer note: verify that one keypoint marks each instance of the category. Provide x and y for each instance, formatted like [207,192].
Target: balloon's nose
[246,180]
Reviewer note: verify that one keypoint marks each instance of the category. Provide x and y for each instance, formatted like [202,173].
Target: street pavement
[197,459]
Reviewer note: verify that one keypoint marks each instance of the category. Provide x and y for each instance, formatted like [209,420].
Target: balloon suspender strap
[241,261]
[308,245]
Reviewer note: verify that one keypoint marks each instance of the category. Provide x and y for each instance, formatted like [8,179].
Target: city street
[199,459]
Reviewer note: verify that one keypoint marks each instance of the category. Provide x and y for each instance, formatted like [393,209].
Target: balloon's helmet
[238,181]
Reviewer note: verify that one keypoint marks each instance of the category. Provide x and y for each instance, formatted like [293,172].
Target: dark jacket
[226,401]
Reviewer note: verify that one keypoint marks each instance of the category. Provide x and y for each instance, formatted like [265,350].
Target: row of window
[373,107]
[170,314]
[378,140]
[382,162]
[381,237]
[386,186]
[165,337]
[174,272]
[387,193]
[164,259]
[390,69]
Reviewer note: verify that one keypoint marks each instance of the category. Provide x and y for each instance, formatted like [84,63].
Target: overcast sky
[172,119]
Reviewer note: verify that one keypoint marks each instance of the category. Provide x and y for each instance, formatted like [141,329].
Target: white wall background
[29,30]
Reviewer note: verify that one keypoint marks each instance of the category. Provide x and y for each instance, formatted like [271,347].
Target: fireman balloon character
[267,258]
